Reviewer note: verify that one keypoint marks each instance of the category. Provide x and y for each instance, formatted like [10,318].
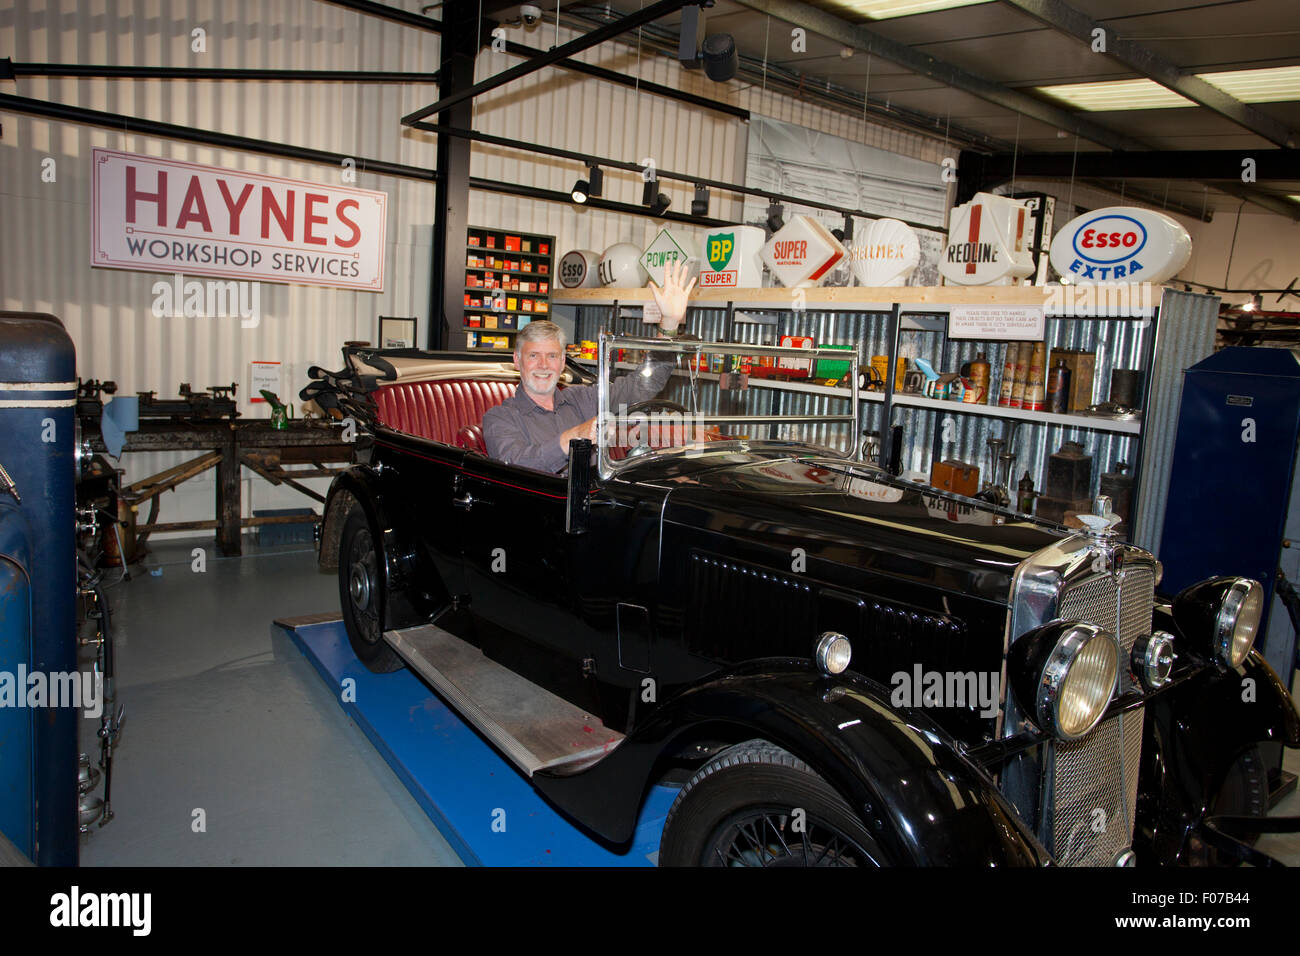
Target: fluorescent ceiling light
[1275,85]
[885,9]
[1116,95]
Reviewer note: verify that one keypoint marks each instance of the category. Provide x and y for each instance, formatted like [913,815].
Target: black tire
[739,810]
[361,593]
[1244,794]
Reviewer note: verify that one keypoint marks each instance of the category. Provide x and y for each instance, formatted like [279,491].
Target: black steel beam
[554,195]
[977,172]
[385,12]
[588,159]
[585,42]
[130,124]
[1200,164]
[623,79]
[9,70]
[462,37]
[1220,169]
[1063,18]
[857,36]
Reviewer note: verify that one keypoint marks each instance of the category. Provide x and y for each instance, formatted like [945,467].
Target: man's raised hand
[674,295]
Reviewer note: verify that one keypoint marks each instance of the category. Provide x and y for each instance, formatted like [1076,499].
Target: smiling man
[534,427]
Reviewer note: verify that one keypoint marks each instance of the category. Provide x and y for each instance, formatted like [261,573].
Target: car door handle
[466,501]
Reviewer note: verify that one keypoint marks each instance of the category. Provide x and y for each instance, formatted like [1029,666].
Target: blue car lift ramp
[484,807]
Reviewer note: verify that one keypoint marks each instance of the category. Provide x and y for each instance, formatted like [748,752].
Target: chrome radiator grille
[1092,783]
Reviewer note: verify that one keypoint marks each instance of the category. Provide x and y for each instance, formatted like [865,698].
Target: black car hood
[851,513]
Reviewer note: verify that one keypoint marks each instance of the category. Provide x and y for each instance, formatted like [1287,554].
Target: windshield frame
[607,418]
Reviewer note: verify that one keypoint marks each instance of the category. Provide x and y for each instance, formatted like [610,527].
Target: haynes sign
[731,258]
[162,215]
[1121,244]
[988,242]
[802,252]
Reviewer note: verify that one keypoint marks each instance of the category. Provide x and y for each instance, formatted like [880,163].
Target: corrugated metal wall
[44,227]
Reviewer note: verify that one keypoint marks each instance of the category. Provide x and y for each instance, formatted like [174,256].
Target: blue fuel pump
[38,582]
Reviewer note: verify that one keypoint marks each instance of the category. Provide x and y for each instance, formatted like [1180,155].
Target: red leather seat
[441,410]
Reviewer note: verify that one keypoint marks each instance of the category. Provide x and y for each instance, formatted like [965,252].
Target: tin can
[1008,384]
[1035,378]
[1058,388]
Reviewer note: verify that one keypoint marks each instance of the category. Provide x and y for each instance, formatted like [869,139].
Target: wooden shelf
[913,299]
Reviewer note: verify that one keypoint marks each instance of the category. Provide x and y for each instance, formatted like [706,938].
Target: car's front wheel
[361,593]
[756,804]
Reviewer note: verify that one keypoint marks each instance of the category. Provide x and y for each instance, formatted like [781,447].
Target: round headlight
[1078,681]
[1153,659]
[1237,622]
[833,652]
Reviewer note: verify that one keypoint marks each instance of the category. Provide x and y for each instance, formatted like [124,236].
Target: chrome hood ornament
[1101,523]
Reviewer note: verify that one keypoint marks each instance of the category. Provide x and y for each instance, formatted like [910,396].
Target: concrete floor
[224,717]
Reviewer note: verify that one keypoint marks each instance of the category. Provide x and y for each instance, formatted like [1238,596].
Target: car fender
[412,588]
[1195,732]
[900,772]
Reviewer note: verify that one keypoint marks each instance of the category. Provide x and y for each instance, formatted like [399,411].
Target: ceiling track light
[719,55]
[844,234]
[593,185]
[700,204]
[652,197]
[775,216]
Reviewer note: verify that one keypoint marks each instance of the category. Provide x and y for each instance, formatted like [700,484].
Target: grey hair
[538,330]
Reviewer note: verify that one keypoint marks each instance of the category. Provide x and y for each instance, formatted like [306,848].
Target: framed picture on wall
[396,332]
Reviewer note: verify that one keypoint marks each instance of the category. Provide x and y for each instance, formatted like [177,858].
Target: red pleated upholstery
[439,410]
[470,437]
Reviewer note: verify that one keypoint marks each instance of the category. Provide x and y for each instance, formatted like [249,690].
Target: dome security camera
[530,13]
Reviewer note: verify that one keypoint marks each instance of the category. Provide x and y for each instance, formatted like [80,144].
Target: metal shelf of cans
[884,317]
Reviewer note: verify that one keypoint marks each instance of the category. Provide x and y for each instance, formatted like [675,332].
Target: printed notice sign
[162,215]
[1014,323]
[263,375]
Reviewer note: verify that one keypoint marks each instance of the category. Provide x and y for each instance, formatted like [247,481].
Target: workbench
[229,446]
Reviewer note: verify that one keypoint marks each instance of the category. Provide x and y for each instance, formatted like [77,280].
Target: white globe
[620,266]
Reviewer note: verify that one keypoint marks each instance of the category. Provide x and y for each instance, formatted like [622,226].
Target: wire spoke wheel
[769,837]
[757,805]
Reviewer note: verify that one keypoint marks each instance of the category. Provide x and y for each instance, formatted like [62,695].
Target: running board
[535,729]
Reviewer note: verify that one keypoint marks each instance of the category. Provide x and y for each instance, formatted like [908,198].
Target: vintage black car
[841,667]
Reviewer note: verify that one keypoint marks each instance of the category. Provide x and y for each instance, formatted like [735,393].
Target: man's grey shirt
[521,432]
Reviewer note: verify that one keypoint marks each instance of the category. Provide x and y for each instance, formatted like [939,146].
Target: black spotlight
[845,234]
[652,197]
[593,185]
[700,204]
[719,55]
[775,217]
